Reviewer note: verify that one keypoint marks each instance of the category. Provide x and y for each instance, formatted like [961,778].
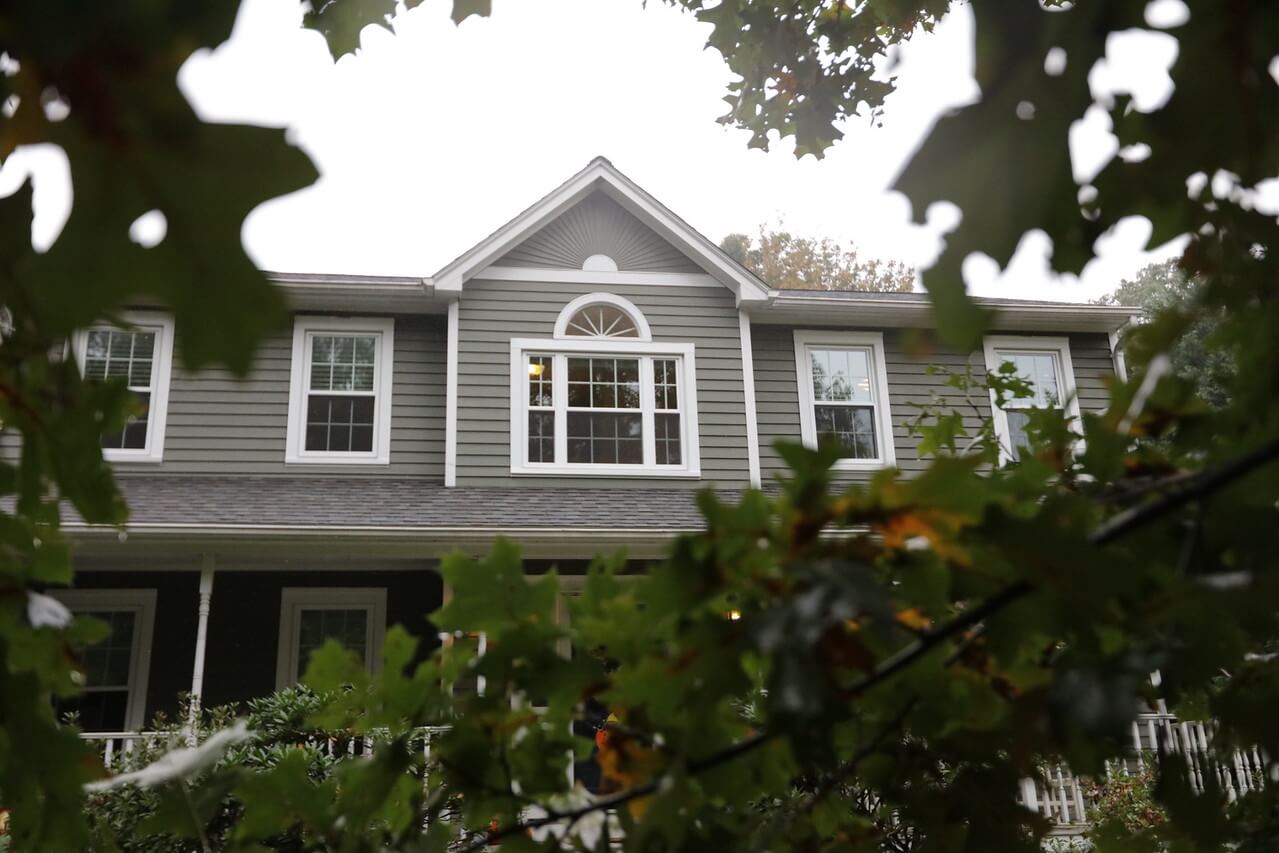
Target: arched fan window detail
[602,315]
[601,321]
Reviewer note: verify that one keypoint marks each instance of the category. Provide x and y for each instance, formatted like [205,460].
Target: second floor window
[1044,364]
[843,396]
[340,402]
[602,397]
[138,354]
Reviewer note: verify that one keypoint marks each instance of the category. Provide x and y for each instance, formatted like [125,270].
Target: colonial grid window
[340,400]
[602,398]
[1044,364]
[116,668]
[140,356]
[843,394]
[310,616]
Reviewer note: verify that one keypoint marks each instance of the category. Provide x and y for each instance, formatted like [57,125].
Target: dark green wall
[244,622]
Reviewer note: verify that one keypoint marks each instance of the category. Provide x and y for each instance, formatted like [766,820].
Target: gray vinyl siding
[909,384]
[598,226]
[220,425]
[492,313]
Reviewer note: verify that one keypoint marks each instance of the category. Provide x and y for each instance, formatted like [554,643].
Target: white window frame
[161,375]
[993,345]
[304,329]
[560,350]
[142,603]
[873,344]
[295,599]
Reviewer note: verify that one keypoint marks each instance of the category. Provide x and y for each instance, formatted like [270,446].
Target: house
[569,383]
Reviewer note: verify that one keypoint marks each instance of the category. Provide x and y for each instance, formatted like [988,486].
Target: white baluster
[108,753]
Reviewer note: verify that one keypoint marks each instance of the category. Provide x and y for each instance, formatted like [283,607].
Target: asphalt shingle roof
[384,502]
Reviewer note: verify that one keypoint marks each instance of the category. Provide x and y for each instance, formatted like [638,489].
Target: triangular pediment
[597,225]
[601,212]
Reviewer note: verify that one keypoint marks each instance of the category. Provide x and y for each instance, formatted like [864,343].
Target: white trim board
[305,327]
[597,277]
[450,398]
[748,387]
[992,345]
[872,343]
[646,351]
[142,603]
[161,379]
[295,599]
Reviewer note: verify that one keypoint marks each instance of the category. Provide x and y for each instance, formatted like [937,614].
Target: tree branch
[885,670]
[1184,490]
[1125,522]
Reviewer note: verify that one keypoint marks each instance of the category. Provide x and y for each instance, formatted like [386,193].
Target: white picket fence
[1062,797]
[1054,792]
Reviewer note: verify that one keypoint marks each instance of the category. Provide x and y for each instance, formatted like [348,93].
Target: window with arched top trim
[601,321]
[602,315]
[602,397]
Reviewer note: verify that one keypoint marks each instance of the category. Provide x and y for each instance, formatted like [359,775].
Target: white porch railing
[1063,798]
[1055,792]
[117,748]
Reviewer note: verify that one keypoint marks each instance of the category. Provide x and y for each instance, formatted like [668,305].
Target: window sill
[605,471]
[861,465]
[134,456]
[335,459]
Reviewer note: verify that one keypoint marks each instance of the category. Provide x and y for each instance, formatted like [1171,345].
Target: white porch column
[201,638]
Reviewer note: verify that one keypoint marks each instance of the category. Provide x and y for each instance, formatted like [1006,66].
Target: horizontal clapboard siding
[598,226]
[220,425]
[909,384]
[492,313]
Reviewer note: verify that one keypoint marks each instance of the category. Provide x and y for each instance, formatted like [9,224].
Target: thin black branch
[849,767]
[885,670]
[1187,490]
[1183,491]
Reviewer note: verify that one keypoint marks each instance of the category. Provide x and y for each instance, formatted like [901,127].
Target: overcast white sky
[430,138]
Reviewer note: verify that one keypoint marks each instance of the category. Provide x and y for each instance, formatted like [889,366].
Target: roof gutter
[399,294]
[1015,315]
[356,541]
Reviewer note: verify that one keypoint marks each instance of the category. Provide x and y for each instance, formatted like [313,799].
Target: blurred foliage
[788,261]
[1163,290]
[909,648]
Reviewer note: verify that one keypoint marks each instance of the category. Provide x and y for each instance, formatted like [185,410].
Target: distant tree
[790,262]
[1164,291]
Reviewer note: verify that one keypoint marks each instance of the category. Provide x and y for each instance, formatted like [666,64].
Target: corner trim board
[748,387]
[450,398]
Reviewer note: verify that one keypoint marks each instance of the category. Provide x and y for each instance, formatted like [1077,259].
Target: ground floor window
[309,616]
[115,669]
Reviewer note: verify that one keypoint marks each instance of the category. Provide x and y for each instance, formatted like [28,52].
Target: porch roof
[393,505]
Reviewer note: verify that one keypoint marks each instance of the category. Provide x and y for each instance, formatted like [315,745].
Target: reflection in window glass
[130,356]
[108,674]
[316,625]
[341,402]
[843,404]
[1040,371]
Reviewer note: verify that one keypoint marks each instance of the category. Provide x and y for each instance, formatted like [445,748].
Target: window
[115,669]
[140,354]
[843,396]
[602,398]
[340,393]
[354,616]
[1042,362]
